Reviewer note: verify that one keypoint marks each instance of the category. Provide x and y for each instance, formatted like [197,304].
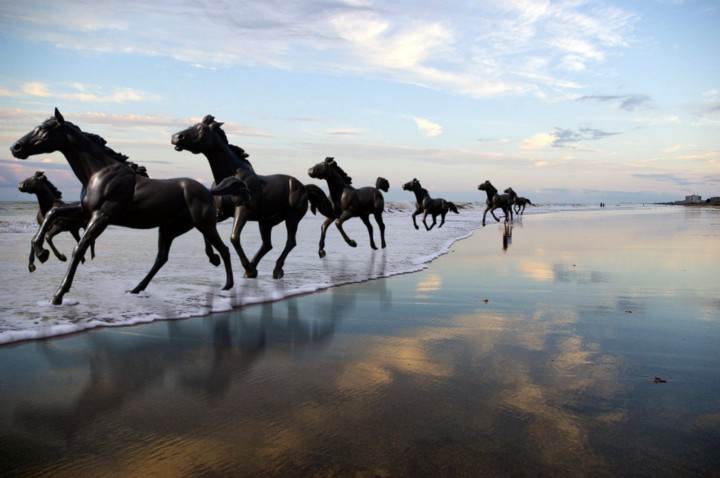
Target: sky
[564,101]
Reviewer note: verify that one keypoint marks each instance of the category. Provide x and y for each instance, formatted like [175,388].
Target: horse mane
[53,189]
[240,154]
[342,173]
[116,155]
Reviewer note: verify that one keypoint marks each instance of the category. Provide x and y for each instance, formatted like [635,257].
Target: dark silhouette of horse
[427,205]
[48,196]
[520,204]
[345,202]
[115,194]
[273,199]
[495,201]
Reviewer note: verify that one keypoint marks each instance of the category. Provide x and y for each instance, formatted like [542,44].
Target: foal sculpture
[346,202]
[495,201]
[426,205]
[520,203]
[273,199]
[114,194]
[48,196]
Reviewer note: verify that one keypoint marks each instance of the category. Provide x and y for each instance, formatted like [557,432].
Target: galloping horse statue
[495,201]
[115,194]
[427,205]
[520,204]
[346,202]
[49,196]
[273,199]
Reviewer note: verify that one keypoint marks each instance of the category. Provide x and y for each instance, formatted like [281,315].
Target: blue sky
[568,101]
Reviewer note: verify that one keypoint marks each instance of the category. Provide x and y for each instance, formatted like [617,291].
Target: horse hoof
[321,254]
[135,291]
[228,286]
[43,255]
[31,267]
[62,258]
[417,227]
[56,300]
[352,243]
[214,260]
[278,274]
[374,247]
[251,274]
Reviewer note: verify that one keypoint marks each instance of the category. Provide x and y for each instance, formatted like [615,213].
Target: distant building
[693,199]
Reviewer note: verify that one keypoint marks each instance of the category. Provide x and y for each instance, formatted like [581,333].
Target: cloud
[83,94]
[428,127]
[624,102]
[537,141]
[679,180]
[501,48]
[566,137]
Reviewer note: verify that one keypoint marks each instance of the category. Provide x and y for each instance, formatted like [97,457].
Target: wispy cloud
[479,50]
[678,179]
[623,102]
[428,127]
[565,138]
[79,92]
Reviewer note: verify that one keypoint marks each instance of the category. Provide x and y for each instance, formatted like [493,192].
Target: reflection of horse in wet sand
[48,197]
[274,198]
[347,201]
[427,205]
[114,194]
[495,201]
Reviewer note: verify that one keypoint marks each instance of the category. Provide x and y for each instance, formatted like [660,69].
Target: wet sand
[530,352]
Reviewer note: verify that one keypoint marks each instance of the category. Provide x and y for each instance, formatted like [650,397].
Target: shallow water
[534,354]
[188,285]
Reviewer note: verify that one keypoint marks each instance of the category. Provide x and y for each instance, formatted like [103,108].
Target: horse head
[46,138]
[511,193]
[413,185]
[30,185]
[488,187]
[327,169]
[200,137]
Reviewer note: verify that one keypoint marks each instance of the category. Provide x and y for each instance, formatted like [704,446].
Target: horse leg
[166,235]
[434,216]
[31,260]
[214,258]
[344,217]
[485,214]
[95,227]
[266,246]
[292,225]
[442,219]
[381,225]
[323,231]
[238,225]
[417,211]
[54,231]
[211,236]
[492,211]
[366,220]
[75,211]
[423,220]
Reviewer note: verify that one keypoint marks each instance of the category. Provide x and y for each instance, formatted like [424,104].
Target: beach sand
[530,355]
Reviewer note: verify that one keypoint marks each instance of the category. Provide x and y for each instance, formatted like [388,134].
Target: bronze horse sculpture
[495,201]
[273,199]
[520,204]
[48,196]
[346,201]
[427,205]
[114,194]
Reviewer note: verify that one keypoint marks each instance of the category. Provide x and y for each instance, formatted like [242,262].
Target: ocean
[188,285]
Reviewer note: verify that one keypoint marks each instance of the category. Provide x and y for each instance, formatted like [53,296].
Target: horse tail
[231,186]
[529,202]
[382,184]
[453,207]
[319,201]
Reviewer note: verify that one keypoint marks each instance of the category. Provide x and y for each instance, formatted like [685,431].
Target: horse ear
[59,117]
[39,174]
[329,160]
[216,124]
[208,119]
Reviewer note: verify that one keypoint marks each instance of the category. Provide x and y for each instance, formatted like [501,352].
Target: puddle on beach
[533,356]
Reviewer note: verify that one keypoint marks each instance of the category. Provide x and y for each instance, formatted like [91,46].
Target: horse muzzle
[17,150]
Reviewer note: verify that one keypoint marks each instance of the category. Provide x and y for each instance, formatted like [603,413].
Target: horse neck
[491,192]
[336,184]
[46,198]
[223,162]
[419,195]
[84,156]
